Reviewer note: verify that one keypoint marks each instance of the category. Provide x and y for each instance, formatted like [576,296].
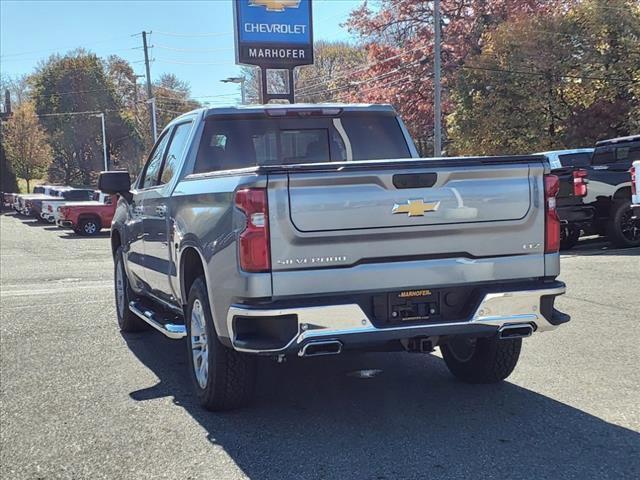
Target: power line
[204,34]
[62,48]
[544,74]
[179,62]
[192,50]
[364,67]
[88,112]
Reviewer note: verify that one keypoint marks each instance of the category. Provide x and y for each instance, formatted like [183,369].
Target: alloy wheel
[630,225]
[90,228]
[120,294]
[199,344]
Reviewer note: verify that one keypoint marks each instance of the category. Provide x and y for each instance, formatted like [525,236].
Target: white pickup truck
[50,211]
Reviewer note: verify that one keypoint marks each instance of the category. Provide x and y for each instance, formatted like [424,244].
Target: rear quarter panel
[203,217]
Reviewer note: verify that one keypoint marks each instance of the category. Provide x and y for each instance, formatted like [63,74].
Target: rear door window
[175,152]
[152,168]
[603,156]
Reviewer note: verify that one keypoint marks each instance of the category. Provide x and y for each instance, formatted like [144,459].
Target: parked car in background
[575,216]
[49,208]
[8,199]
[610,190]
[87,218]
[635,185]
[22,201]
[309,230]
[35,204]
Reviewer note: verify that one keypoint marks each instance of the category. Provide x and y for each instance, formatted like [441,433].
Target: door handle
[161,210]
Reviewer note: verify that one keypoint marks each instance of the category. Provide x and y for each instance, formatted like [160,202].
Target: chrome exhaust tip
[315,349]
[507,332]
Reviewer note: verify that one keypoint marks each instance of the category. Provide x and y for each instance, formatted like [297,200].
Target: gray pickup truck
[310,230]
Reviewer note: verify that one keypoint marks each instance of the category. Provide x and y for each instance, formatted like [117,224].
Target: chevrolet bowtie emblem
[275,5]
[415,208]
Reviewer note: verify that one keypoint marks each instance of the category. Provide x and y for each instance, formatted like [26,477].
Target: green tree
[550,81]
[26,144]
[172,98]
[8,182]
[64,89]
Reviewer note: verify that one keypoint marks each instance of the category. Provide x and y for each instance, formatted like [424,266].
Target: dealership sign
[273,33]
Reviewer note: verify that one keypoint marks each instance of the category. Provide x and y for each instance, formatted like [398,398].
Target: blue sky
[193,39]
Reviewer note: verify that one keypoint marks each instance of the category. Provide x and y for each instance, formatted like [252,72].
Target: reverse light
[253,243]
[552,222]
[580,183]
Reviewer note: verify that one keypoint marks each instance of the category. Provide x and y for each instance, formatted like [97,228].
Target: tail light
[634,186]
[50,208]
[580,183]
[254,239]
[552,222]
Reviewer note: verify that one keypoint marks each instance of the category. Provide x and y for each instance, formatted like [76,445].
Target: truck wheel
[569,237]
[127,320]
[223,378]
[481,360]
[623,229]
[89,227]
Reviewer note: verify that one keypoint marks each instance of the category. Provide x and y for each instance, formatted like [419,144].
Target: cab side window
[151,172]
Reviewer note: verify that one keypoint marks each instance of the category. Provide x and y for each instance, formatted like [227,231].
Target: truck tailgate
[418,223]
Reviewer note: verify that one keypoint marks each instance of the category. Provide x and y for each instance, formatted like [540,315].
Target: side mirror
[115,182]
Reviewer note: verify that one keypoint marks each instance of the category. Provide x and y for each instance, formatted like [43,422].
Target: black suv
[610,190]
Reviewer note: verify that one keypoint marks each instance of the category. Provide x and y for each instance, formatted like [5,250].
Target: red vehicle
[88,218]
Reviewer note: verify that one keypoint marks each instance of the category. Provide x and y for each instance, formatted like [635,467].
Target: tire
[227,379]
[89,227]
[623,229]
[481,360]
[569,236]
[127,320]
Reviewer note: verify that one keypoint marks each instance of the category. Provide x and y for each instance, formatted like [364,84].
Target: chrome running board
[172,330]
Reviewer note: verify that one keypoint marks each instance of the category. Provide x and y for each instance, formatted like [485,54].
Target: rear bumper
[576,214]
[350,325]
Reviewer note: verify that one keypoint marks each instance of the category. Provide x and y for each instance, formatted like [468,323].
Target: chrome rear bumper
[345,322]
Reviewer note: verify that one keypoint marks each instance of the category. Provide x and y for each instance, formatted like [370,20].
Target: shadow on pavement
[311,419]
[599,246]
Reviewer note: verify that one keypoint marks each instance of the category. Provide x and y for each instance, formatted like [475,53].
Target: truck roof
[612,141]
[566,151]
[278,109]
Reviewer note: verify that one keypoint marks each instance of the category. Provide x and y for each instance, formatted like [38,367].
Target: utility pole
[437,94]
[149,90]
[154,127]
[104,139]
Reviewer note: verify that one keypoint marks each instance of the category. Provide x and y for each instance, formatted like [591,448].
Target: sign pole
[274,35]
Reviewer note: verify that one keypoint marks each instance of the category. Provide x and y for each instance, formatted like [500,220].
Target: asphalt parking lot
[80,400]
